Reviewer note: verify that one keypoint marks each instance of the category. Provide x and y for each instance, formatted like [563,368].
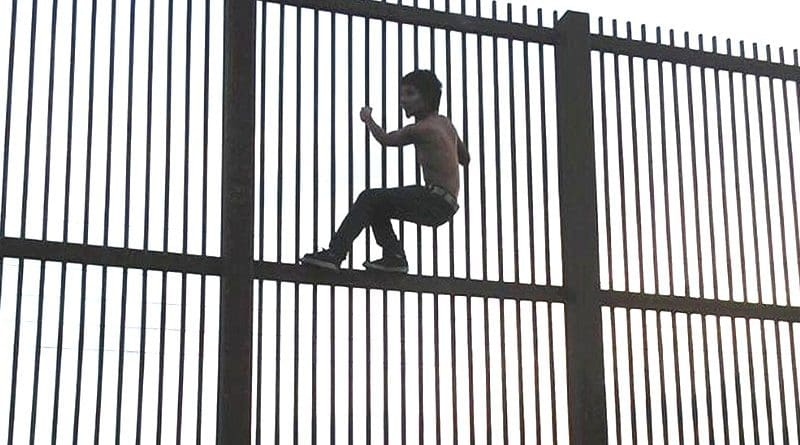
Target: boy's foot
[323,258]
[390,263]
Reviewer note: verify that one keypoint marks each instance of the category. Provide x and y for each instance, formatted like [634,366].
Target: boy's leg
[359,217]
[405,204]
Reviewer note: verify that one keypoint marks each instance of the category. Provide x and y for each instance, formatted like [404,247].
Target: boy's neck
[423,115]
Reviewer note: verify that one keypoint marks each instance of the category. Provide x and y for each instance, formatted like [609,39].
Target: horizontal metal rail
[692,57]
[109,256]
[410,15]
[197,264]
[407,283]
[705,306]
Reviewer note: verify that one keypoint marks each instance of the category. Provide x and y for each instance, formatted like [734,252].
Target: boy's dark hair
[428,85]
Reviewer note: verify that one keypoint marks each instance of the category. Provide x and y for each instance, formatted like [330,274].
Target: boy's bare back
[437,147]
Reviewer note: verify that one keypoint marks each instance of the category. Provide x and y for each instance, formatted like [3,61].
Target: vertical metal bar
[689,343]
[417,175]
[7,132]
[742,272]
[706,143]
[675,370]
[315,217]
[606,181]
[420,362]
[583,327]
[65,231]
[350,203]
[90,122]
[679,151]
[435,297]
[262,153]
[367,184]
[537,402]
[45,205]
[545,168]
[648,401]
[186,126]
[739,401]
[483,239]
[167,171]
[614,354]
[236,298]
[528,146]
[694,169]
[529,156]
[710,205]
[671,276]
[632,389]
[512,107]
[615,364]
[628,329]
[104,290]
[279,219]
[297,176]
[383,185]
[662,381]
[482,157]
[31,62]
[794,373]
[148,148]
[751,180]
[403,395]
[453,386]
[204,224]
[332,225]
[650,173]
[659,325]
[551,346]
[123,311]
[468,232]
[621,165]
[15,364]
[698,238]
[498,185]
[513,138]
[796,228]
[499,198]
[783,249]
[38,352]
[759,286]
[771,269]
[723,391]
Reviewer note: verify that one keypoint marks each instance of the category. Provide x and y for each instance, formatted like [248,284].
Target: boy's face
[411,100]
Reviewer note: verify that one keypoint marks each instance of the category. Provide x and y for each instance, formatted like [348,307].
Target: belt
[444,194]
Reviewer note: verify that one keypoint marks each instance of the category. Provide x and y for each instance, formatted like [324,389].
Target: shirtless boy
[439,152]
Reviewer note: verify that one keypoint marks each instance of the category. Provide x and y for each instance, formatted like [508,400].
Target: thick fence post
[236,299]
[576,178]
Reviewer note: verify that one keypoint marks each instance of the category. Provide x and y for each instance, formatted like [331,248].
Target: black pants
[376,207]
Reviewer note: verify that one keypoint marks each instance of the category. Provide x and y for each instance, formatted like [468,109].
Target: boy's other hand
[366,114]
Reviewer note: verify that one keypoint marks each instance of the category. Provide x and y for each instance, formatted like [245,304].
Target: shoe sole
[370,266]
[318,263]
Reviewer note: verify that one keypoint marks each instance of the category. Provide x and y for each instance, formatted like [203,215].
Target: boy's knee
[368,196]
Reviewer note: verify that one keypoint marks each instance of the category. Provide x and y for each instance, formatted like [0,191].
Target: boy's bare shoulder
[435,123]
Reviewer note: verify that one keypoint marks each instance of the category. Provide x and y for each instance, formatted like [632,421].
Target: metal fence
[620,270]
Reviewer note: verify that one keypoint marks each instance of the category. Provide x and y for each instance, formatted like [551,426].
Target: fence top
[537,33]
[669,52]
[432,18]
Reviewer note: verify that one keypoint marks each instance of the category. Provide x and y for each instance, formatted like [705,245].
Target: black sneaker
[391,263]
[324,258]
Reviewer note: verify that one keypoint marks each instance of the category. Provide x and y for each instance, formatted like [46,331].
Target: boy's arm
[404,136]
[463,154]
